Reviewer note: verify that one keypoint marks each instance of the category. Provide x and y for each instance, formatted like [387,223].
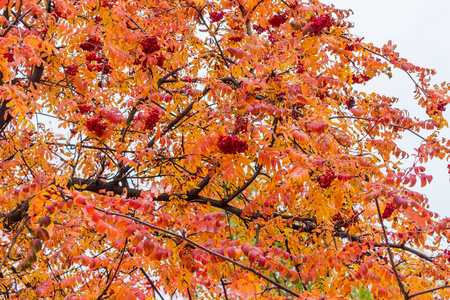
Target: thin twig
[391,256]
[13,242]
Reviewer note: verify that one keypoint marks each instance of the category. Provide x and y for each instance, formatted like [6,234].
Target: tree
[213,150]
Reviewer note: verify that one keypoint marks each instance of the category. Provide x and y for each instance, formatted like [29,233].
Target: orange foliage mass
[212,150]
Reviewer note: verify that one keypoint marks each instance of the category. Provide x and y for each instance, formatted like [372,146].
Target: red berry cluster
[231,144]
[84,108]
[278,20]
[92,44]
[360,78]
[95,126]
[320,23]
[216,16]
[300,68]
[236,38]
[259,29]
[150,119]
[97,19]
[72,70]
[390,207]
[105,3]
[350,103]
[339,221]
[241,124]
[326,180]
[150,44]
[160,59]
[272,39]
[448,167]
[99,64]
[9,56]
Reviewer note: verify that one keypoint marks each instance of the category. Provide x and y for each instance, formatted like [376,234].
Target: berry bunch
[93,57]
[241,125]
[259,29]
[236,39]
[320,23]
[390,207]
[448,167]
[326,180]
[278,20]
[72,70]
[216,16]
[150,119]
[160,59]
[9,56]
[339,221]
[272,39]
[231,144]
[99,64]
[350,103]
[84,108]
[150,44]
[105,3]
[92,44]
[300,68]
[360,78]
[95,126]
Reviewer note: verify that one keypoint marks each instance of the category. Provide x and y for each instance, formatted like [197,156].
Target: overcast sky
[418,28]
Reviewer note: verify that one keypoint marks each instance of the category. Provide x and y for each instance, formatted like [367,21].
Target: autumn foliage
[211,150]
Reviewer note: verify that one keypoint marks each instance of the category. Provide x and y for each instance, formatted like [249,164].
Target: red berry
[216,16]
[326,180]
[92,44]
[150,44]
[9,56]
[160,59]
[231,144]
[150,119]
[259,29]
[95,126]
[84,108]
[236,38]
[72,70]
[300,68]
[350,103]
[320,23]
[241,124]
[278,20]
[390,207]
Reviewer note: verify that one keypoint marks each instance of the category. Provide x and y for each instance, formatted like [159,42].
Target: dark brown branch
[243,187]
[194,244]
[429,291]
[155,289]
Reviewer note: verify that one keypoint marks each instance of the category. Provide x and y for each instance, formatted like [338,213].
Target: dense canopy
[211,150]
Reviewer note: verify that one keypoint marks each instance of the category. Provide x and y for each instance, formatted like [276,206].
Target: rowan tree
[211,150]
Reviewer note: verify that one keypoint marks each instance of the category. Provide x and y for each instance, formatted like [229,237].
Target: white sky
[418,28]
